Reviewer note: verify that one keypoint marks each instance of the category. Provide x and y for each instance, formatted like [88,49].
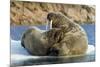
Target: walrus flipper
[22,41]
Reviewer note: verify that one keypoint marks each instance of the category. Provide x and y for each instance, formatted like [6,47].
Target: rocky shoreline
[34,13]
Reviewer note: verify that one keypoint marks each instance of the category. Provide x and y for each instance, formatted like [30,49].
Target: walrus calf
[66,38]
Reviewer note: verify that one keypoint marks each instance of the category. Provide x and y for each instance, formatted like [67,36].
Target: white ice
[18,53]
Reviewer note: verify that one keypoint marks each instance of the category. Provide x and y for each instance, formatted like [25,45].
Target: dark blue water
[16,32]
[90,30]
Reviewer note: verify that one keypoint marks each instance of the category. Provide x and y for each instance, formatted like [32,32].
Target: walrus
[65,38]
[34,42]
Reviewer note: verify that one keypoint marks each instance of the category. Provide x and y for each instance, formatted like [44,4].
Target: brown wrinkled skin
[66,37]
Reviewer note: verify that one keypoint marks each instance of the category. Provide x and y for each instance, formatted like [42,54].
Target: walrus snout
[49,16]
[49,21]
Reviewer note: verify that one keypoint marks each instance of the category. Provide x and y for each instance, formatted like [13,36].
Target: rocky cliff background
[34,13]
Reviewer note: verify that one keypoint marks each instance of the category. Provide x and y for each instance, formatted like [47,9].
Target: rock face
[34,13]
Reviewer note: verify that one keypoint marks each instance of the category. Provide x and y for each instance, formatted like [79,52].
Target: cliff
[34,13]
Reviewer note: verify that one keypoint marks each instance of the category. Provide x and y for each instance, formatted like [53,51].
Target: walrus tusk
[49,25]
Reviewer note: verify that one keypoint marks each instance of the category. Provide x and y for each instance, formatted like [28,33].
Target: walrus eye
[53,52]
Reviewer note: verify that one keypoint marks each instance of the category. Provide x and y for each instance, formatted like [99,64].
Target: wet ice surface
[19,56]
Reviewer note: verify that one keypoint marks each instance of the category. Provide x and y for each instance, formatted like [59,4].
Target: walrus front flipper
[22,41]
[24,36]
[22,44]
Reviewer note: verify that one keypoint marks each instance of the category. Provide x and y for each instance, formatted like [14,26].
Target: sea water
[17,31]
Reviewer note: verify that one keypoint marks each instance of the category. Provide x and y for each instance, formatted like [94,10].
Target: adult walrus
[66,38]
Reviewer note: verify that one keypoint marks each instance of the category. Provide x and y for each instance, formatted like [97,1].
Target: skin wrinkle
[68,34]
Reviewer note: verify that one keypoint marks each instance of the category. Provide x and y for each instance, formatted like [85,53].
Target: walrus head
[50,16]
[56,18]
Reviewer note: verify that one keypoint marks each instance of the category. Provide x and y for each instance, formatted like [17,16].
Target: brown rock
[34,13]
